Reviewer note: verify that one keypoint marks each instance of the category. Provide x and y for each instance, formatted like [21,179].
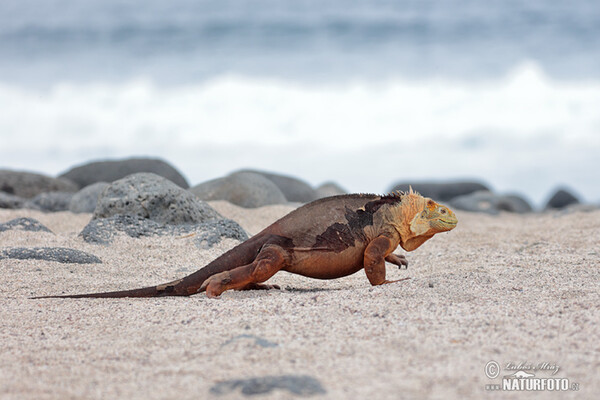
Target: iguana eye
[442,211]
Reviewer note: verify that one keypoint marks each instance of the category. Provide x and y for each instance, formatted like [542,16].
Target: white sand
[509,288]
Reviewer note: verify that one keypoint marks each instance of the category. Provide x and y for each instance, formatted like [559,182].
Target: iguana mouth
[445,224]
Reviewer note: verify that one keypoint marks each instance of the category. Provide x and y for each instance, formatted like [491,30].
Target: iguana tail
[151,291]
[242,254]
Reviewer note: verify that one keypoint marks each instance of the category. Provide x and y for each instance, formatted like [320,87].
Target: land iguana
[325,239]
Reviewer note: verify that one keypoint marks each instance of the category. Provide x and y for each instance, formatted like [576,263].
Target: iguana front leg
[374,259]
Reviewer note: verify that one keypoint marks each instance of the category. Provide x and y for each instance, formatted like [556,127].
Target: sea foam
[524,131]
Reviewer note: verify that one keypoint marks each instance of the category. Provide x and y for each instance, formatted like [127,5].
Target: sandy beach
[510,288]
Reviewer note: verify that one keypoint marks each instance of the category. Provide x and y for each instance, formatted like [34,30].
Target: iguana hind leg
[269,260]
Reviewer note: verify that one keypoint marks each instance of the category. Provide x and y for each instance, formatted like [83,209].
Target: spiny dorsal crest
[398,194]
[409,203]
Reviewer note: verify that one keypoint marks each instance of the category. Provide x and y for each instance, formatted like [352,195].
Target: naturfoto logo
[523,377]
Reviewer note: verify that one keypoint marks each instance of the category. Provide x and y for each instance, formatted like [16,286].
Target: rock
[104,230]
[561,199]
[149,196]
[11,201]
[149,205]
[51,201]
[112,170]
[574,208]
[28,184]
[57,254]
[441,191]
[86,199]
[24,224]
[514,203]
[294,190]
[301,385]
[210,233]
[245,189]
[488,202]
[257,340]
[328,189]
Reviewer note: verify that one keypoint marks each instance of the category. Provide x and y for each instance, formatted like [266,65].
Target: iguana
[325,239]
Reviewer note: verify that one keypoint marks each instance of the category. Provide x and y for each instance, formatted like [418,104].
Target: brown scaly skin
[326,239]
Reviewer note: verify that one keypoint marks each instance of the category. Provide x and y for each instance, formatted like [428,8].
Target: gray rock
[560,199]
[573,208]
[294,189]
[245,189]
[150,196]
[261,342]
[104,230]
[301,385]
[514,203]
[328,189]
[441,191]
[24,224]
[490,203]
[28,184]
[86,199]
[11,201]
[112,170]
[148,205]
[51,201]
[210,233]
[57,254]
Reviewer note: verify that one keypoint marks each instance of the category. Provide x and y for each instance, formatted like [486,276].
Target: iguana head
[418,218]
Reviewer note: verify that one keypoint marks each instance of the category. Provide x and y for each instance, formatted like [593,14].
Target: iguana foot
[397,259]
[216,284]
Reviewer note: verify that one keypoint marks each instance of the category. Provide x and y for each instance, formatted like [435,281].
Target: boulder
[207,234]
[439,191]
[575,208]
[514,203]
[488,202]
[328,189]
[51,201]
[56,254]
[245,189]
[11,201]
[295,385]
[210,233]
[29,184]
[86,199]
[560,199]
[24,224]
[153,197]
[146,204]
[294,189]
[112,170]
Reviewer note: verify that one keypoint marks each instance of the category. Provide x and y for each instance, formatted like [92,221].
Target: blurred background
[364,93]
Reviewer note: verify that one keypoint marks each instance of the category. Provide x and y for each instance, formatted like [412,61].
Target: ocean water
[364,93]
